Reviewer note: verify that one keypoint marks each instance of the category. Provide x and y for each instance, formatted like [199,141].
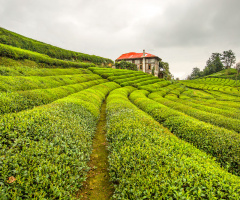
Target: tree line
[216,63]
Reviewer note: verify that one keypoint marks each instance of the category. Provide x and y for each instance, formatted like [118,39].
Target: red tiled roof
[133,55]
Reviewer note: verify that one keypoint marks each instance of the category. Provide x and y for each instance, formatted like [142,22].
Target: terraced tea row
[9,67]
[46,61]
[44,151]
[22,100]
[216,81]
[126,77]
[224,145]
[148,162]
[14,39]
[22,83]
[198,104]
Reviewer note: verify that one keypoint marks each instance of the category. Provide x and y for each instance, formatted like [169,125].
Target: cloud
[204,22]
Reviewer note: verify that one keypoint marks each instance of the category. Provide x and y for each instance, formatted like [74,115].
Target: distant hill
[17,40]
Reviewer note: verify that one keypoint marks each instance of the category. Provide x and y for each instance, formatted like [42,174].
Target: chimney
[143,52]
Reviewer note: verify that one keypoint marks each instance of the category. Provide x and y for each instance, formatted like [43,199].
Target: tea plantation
[166,139]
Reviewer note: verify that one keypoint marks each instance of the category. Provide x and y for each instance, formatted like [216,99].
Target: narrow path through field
[97,185]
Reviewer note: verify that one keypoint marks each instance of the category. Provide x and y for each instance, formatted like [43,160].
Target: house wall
[149,62]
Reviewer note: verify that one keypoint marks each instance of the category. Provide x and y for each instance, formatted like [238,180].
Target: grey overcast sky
[183,33]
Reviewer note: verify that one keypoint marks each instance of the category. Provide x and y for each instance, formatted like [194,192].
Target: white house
[144,61]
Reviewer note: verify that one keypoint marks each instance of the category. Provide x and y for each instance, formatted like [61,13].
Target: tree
[195,73]
[213,64]
[126,65]
[164,66]
[216,61]
[228,58]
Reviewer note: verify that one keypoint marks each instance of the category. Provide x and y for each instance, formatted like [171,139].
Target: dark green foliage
[228,58]
[164,67]
[13,39]
[125,65]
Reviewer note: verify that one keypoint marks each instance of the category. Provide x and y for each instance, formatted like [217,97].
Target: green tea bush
[219,104]
[220,96]
[109,72]
[44,151]
[20,54]
[147,82]
[22,100]
[137,80]
[215,119]
[112,78]
[16,83]
[123,80]
[232,113]
[29,71]
[14,39]
[219,142]
[155,86]
[148,162]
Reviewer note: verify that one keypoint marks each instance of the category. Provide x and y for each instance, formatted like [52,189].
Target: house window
[140,66]
[141,61]
[137,61]
[133,61]
[149,66]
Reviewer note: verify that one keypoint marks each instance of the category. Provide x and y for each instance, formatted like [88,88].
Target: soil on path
[97,185]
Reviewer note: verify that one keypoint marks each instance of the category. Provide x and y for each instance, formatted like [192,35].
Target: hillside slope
[17,40]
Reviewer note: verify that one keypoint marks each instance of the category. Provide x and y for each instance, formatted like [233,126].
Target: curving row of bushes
[216,81]
[128,79]
[232,113]
[221,143]
[155,86]
[218,104]
[14,39]
[224,89]
[148,162]
[44,152]
[16,83]
[21,54]
[109,72]
[215,119]
[22,100]
[220,96]
[193,93]
[130,75]
[30,71]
